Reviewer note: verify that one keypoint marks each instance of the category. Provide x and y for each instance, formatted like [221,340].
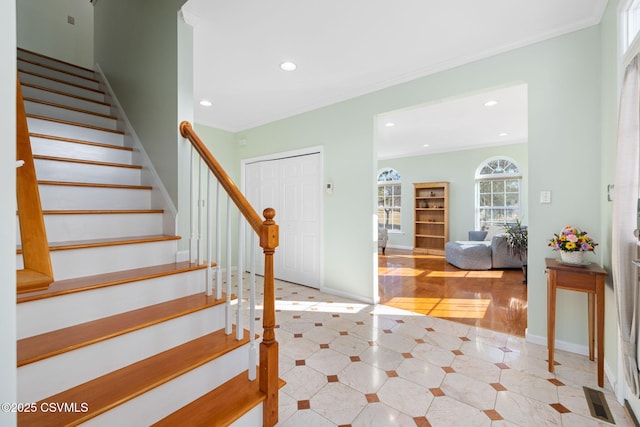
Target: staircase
[125,335]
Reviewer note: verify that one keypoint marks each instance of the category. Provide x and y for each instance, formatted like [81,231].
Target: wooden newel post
[269,378]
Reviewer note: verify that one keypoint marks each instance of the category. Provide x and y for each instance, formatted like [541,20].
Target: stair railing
[37,272]
[204,166]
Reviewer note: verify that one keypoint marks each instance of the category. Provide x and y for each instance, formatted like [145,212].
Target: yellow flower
[570,245]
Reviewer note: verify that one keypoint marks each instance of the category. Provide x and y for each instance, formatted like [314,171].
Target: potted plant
[517,239]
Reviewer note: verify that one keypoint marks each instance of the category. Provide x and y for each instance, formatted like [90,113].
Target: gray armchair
[383,236]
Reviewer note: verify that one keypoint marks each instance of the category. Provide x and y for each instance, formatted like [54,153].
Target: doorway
[291,183]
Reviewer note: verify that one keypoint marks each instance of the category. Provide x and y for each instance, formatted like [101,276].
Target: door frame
[283,155]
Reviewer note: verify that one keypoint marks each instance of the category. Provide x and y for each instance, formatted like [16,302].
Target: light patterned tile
[476,368]
[529,386]
[338,403]
[381,415]
[299,348]
[485,352]
[382,357]
[363,377]
[443,340]
[321,335]
[327,361]
[472,392]
[421,373]
[396,342]
[405,396]
[306,418]
[303,382]
[349,345]
[522,410]
[486,336]
[409,330]
[433,354]
[448,412]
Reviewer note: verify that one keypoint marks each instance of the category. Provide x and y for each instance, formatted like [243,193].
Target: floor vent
[598,405]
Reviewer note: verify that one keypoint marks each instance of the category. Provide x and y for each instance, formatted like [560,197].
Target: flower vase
[576,257]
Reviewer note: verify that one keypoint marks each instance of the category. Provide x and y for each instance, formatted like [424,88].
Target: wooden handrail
[37,273]
[268,234]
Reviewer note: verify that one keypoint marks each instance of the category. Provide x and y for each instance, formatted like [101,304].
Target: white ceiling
[346,48]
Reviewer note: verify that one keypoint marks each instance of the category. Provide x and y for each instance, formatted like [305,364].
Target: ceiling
[344,49]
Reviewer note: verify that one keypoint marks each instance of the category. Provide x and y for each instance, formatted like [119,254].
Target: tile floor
[352,364]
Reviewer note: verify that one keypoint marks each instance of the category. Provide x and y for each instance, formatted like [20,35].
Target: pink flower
[572,238]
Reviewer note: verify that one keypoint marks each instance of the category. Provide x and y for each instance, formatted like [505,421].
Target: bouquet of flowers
[572,239]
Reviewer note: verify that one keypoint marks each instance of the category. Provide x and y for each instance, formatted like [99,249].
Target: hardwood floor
[427,284]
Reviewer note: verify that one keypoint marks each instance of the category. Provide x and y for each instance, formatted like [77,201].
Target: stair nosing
[64,82]
[66,107]
[99,243]
[87,283]
[79,141]
[52,68]
[141,377]
[100,211]
[108,327]
[96,185]
[55,59]
[70,123]
[84,161]
[70,95]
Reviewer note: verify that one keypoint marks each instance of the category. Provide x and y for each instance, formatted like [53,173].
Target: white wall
[8,211]
[43,28]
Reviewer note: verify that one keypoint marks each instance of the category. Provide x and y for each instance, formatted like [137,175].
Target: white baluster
[228,316]
[253,352]
[192,208]
[218,244]
[209,257]
[240,281]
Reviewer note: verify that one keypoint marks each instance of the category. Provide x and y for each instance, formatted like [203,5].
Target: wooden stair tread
[29,280]
[66,107]
[80,284]
[64,82]
[112,241]
[79,141]
[122,385]
[101,211]
[96,185]
[87,162]
[55,59]
[58,92]
[43,65]
[56,342]
[70,123]
[216,408]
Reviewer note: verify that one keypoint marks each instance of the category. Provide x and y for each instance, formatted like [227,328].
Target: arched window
[389,199]
[498,182]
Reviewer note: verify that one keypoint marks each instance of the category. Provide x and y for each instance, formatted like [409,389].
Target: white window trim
[394,182]
[494,177]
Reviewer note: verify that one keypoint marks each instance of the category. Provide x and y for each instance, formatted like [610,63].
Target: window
[497,192]
[389,199]
[632,22]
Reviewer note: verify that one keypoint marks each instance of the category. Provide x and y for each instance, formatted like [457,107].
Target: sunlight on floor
[399,271]
[444,307]
[489,274]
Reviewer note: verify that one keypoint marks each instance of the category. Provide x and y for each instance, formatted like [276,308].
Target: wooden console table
[588,279]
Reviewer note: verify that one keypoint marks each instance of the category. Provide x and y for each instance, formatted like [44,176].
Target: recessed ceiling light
[206,103]
[491,103]
[503,134]
[288,66]
[389,124]
[425,145]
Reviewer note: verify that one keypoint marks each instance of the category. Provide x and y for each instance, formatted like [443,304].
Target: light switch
[545,197]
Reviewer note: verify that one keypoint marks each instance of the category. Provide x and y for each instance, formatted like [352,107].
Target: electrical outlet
[545,197]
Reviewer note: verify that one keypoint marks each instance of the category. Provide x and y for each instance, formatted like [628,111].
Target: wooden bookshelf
[431,227]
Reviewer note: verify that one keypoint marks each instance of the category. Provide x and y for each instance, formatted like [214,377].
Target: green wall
[46,30]
[563,77]
[458,168]
[136,46]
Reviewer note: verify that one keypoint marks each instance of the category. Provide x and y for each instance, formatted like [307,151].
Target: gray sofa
[480,254]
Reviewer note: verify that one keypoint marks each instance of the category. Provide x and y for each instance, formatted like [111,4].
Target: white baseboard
[339,293]
[408,248]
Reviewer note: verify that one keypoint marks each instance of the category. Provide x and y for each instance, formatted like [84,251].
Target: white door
[293,187]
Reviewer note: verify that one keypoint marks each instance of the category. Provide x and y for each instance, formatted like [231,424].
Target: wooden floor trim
[86,162]
[50,344]
[96,185]
[56,60]
[87,283]
[70,123]
[64,82]
[122,385]
[98,243]
[79,141]
[70,95]
[49,67]
[66,107]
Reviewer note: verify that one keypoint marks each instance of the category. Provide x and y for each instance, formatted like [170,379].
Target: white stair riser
[69,197]
[72,150]
[61,87]
[45,110]
[47,127]
[250,419]
[65,227]
[57,64]
[70,101]
[48,314]
[56,74]
[53,170]
[84,364]
[169,397]
[68,264]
